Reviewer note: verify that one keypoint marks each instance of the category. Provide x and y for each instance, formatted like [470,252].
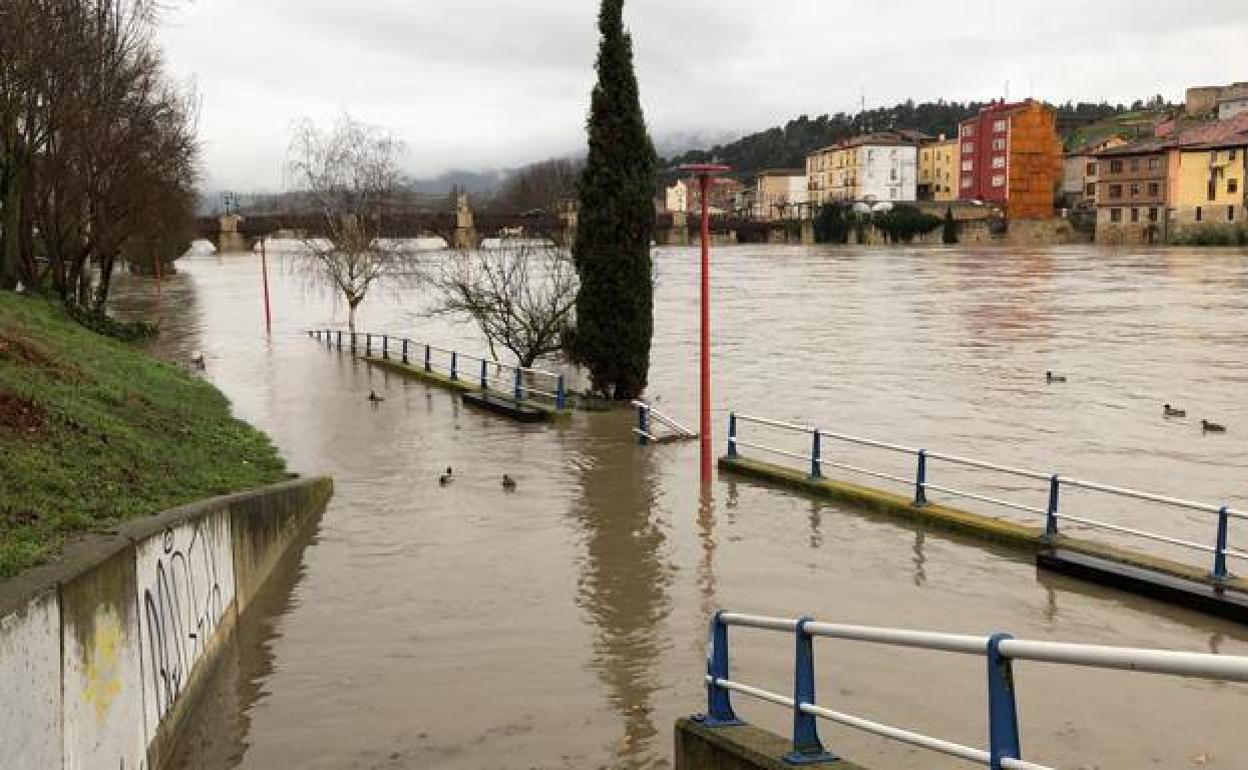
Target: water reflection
[218,736]
[624,581]
[706,564]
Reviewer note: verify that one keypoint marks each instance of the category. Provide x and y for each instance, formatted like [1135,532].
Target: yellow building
[1207,183]
[938,170]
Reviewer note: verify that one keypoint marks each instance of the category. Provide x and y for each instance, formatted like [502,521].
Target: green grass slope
[94,431]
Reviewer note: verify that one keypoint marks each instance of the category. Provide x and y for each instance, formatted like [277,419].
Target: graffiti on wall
[185,586]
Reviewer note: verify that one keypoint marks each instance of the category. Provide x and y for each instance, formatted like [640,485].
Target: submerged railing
[1049,483]
[1000,651]
[647,415]
[518,382]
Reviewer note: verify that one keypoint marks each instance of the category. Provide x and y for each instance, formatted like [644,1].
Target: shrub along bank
[94,431]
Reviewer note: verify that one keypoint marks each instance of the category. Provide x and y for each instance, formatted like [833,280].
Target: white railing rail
[1001,651]
[518,382]
[647,415]
[814,459]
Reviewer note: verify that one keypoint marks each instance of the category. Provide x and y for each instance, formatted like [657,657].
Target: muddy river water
[563,624]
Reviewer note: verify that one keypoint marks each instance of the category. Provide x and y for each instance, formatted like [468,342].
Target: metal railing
[647,415]
[1050,483]
[1000,650]
[518,382]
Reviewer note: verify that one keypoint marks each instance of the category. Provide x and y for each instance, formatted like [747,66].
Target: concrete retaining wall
[740,747]
[103,653]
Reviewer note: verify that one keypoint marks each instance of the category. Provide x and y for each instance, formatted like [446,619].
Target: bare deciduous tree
[97,148]
[521,294]
[352,174]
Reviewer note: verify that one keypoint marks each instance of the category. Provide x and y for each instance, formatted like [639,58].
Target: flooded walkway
[563,624]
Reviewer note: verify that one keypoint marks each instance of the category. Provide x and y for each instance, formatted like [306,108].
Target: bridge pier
[466,236]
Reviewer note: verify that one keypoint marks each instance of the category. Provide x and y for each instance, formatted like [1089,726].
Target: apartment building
[1009,154]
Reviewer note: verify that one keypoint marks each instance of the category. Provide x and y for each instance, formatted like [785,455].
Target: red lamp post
[704,171]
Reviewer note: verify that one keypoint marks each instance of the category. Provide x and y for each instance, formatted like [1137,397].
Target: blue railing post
[1002,708]
[718,703]
[485,376]
[340,340]
[920,480]
[454,365]
[519,385]
[807,748]
[643,424]
[405,350]
[815,454]
[732,434]
[561,397]
[385,346]
[428,359]
[1050,515]
[328,343]
[1219,552]
[368,344]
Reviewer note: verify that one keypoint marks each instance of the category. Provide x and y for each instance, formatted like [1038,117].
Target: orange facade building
[1010,155]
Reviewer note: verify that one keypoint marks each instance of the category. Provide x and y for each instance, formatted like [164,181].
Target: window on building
[1091,169]
[968,164]
[1135,190]
[1200,215]
[967,182]
[968,130]
[1230,213]
[998,125]
[968,148]
[1230,155]
[1232,186]
[1154,164]
[1213,156]
[1115,166]
[1091,190]
[1135,215]
[1154,189]
[1115,191]
[1152,215]
[1115,215]
[998,161]
[1135,164]
[1212,192]
[998,180]
[998,144]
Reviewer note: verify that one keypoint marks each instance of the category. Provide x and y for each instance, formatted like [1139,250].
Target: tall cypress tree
[615,306]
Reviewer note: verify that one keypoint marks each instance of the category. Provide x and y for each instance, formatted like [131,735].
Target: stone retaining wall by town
[103,652]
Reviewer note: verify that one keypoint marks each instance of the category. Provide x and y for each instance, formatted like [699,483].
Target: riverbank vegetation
[1211,235]
[835,222]
[351,175]
[615,304]
[94,431]
[97,148]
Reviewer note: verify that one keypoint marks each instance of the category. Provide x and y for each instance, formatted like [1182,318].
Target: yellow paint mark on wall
[101,668]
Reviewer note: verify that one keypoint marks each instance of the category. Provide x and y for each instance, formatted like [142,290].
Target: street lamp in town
[704,173]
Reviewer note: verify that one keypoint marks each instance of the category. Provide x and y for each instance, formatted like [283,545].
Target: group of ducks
[1166,409]
[509,484]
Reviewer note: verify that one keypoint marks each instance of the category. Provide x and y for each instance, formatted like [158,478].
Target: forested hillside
[786,146]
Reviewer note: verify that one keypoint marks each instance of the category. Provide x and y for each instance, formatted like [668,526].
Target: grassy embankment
[94,431]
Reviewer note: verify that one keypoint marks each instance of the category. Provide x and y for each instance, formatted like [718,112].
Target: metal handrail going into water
[517,385]
[921,486]
[646,414]
[1000,650]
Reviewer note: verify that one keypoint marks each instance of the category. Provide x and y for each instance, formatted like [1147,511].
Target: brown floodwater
[563,624]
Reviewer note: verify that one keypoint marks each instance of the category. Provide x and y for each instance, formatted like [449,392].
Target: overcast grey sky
[479,84]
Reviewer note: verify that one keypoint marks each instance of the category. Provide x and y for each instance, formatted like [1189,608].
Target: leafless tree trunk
[97,149]
[521,294]
[352,173]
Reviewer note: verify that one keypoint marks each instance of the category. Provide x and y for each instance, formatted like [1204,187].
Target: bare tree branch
[521,294]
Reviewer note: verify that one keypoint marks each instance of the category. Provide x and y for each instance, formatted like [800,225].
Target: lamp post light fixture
[704,172]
